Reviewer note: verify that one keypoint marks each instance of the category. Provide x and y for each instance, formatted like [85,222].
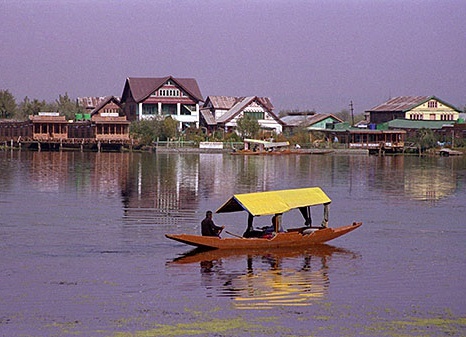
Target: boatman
[208,228]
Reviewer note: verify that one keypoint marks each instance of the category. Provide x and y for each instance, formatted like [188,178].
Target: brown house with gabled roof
[110,121]
[414,108]
[222,112]
[146,98]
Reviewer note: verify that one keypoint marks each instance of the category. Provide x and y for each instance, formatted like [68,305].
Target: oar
[232,234]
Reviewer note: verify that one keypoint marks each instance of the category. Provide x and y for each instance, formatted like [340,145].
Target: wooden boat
[446,152]
[273,203]
[263,147]
[254,147]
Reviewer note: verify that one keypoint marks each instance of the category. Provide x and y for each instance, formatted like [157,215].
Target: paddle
[232,234]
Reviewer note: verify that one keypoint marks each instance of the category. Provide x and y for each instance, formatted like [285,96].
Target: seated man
[208,228]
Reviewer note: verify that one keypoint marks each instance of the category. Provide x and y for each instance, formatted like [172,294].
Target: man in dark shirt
[208,228]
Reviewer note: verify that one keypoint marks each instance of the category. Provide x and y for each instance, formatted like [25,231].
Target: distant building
[146,98]
[413,108]
[109,120]
[88,104]
[223,112]
[310,121]
[108,106]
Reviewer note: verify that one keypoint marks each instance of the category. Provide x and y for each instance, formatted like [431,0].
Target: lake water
[83,251]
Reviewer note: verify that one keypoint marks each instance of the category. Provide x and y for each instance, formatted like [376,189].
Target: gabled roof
[242,104]
[142,87]
[221,102]
[104,102]
[307,120]
[417,124]
[227,102]
[208,117]
[235,110]
[406,103]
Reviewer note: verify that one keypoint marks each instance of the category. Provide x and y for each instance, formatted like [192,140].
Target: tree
[248,127]
[169,128]
[344,115]
[67,107]
[7,104]
[425,139]
[148,131]
[28,107]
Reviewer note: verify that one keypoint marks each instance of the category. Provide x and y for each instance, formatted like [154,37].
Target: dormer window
[432,104]
[169,92]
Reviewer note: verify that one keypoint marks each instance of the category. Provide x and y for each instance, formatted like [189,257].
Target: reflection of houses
[145,98]
[223,112]
[309,121]
[413,108]
[162,190]
[431,185]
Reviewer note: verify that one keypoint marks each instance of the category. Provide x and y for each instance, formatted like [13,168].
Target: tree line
[165,128]
[10,109]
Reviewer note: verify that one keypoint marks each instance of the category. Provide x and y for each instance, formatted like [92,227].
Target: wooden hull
[291,239]
[263,153]
[281,152]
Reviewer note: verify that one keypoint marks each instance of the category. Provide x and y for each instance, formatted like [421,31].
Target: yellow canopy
[274,202]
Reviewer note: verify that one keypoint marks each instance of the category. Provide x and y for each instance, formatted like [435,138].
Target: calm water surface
[83,251]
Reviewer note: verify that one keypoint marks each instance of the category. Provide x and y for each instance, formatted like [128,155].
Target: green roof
[345,126]
[417,124]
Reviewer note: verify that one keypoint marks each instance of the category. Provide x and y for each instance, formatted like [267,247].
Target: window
[416,116]
[169,92]
[432,104]
[188,109]
[169,109]
[254,114]
[149,109]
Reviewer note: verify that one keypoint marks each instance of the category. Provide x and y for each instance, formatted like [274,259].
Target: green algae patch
[420,327]
[215,326]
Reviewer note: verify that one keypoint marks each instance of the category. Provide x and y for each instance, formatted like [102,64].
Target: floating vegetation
[424,327]
[215,326]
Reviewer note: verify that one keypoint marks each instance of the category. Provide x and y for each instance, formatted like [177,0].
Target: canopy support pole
[306,212]
[250,221]
[277,222]
[326,211]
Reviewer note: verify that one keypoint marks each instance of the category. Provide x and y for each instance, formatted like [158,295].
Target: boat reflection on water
[265,279]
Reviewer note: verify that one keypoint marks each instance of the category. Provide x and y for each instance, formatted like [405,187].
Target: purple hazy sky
[315,54]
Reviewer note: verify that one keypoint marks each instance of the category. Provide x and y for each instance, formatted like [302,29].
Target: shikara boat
[274,203]
[263,147]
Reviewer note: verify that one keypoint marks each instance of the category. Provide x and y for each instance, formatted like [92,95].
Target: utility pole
[352,115]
